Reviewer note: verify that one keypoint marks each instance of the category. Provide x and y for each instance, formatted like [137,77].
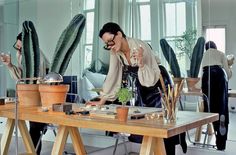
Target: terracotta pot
[28,94]
[177,80]
[122,113]
[191,82]
[51,94]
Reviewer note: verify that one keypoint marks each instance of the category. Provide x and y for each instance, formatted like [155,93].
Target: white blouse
[16,71]
[215,57]
[148,75]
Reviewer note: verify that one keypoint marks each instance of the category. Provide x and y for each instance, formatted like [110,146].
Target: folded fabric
[96,79]
[85,87]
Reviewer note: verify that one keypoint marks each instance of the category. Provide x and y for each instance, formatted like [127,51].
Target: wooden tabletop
[232,93]
[154,128]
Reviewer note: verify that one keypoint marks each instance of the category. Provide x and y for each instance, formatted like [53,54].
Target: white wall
[222,12]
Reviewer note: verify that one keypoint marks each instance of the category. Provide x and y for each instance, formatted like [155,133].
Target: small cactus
[67,44]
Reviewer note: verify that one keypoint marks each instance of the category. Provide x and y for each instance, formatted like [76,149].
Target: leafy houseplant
[65,48]
[124,95]
[186,42]
[28,92]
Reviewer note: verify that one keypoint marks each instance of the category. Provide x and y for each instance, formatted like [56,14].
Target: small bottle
[133,59]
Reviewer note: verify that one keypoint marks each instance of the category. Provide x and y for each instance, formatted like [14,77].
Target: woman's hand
[139,56]
[6,59]
[96,103]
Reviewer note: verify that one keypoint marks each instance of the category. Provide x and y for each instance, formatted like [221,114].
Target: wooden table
[153,130]
[232,93]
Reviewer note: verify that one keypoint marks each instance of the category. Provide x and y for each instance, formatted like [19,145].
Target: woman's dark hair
[112,28]
[19,36]
[210,44]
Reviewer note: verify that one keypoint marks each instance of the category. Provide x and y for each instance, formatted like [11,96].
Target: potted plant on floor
[27,90]
[124,95]
[66,45]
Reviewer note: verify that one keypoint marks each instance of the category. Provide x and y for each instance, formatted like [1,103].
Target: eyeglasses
[15,47]
[110,43]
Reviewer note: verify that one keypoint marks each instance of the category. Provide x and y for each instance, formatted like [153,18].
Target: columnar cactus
[30,51]
[196,58]
[67,44]
[170,56]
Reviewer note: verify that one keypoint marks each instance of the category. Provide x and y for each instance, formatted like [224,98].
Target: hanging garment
[215,87]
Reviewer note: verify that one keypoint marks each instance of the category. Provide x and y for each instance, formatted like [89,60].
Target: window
[175,18]
[217,35]
[89,9]
[145,22]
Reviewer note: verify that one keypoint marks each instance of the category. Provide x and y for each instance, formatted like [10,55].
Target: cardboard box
[62,107]
[2,101]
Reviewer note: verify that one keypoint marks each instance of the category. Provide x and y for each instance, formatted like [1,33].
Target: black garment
[35,131]
[215,87]
[150,97]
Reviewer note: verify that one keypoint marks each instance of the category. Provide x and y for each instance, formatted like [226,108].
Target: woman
[133,56]
[132,63]
[216,73]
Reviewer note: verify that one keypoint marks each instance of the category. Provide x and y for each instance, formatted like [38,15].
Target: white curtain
[118,11]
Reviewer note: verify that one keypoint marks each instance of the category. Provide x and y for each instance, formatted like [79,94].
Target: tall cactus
[67,44]
[170,56]
[30,51]
[196,59]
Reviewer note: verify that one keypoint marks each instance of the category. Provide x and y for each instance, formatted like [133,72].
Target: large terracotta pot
[51,94]
[122,113]
[28,94]
[191,83]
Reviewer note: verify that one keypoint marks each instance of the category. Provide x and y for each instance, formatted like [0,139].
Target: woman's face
[112,41]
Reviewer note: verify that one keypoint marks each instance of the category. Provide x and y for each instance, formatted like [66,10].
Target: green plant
[124,95]
[170,56]
[186,42]
[30,51]
[67,44]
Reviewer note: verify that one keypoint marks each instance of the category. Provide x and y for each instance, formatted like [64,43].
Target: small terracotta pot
[177,80]
[122,113]
[51,94]
[28,94]
[191,82]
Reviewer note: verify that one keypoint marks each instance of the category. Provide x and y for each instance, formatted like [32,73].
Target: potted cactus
[27,90]
[65,48]
[195,64]
[170,56]
[195,60]
[124,95]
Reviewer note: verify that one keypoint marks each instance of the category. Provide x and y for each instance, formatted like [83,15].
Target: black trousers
[35,131]
[215,87]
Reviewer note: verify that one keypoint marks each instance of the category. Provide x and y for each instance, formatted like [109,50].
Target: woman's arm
[149,71]
[226,67]
[112,82]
